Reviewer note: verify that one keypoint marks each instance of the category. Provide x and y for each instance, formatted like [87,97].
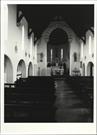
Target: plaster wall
[13,41]
[87,57]
[74,45]
[74,48]
[42,48]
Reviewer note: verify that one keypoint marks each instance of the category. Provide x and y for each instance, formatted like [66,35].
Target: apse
[58,36]
[58,50]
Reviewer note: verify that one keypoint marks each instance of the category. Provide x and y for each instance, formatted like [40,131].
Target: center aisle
[69,107]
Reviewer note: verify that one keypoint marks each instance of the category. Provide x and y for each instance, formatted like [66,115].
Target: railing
[9,85]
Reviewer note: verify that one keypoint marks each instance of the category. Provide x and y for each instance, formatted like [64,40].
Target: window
[51,54]
[89,45]
[61,53]
[31,46]
[23,37]
[75,57]
[6,21]
[80,64]
[82,50]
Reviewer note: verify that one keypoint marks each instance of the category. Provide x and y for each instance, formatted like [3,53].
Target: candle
[51,54]
[61,54]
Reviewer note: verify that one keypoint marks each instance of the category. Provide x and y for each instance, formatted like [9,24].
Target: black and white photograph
[48,63]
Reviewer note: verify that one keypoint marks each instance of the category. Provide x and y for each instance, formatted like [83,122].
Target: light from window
[23,37]
[89,45]
[51,54]
[75,57]
[6,21]
[82,50]
[61,54]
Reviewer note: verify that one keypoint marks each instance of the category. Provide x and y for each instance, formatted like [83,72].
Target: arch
[50,36]
[8,70]
[58,36]
[90,69]
[30,69]
[83,69]
[21,69]
[57,24]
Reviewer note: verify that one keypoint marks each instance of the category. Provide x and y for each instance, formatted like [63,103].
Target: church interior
[48,63]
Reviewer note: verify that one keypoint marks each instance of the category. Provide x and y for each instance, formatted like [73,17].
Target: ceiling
[79,17]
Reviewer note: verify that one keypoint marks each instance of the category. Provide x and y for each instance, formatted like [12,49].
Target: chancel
[48,63]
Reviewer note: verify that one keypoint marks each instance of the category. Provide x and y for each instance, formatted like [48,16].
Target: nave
[49,99]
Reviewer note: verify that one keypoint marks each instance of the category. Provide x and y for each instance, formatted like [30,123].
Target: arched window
[61,53]
[51,54]
[82,50]
[90,69]
[23,34]
[6,21]
[89,45]
[75,57]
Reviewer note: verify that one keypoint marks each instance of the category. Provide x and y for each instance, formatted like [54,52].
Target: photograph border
[48,128]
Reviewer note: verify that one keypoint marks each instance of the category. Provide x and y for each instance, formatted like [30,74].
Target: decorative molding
[19,17]
[58,24]
[25,53]
[16,49]
[29,31]
[84,39]
[91,29]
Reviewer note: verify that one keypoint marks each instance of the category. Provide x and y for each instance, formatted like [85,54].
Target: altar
[57,71]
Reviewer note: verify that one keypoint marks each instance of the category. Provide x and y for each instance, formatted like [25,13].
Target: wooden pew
[27,102]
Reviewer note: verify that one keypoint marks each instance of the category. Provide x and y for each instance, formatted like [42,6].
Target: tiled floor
[69,107]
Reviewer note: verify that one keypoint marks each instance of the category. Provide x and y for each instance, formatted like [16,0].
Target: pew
[30,102]
[83,87]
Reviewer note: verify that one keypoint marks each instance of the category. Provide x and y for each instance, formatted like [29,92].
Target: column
[51,54]
[82,50]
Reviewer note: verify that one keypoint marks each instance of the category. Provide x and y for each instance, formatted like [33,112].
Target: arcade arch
[8,70]
[45,40]
[30,69]
[90,69]
[58,50]
[83,69]
[21,69]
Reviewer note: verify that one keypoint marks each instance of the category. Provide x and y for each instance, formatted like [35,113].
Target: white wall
[13,45]
[74,47]
[87,56]
[42,48]
[14,40]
